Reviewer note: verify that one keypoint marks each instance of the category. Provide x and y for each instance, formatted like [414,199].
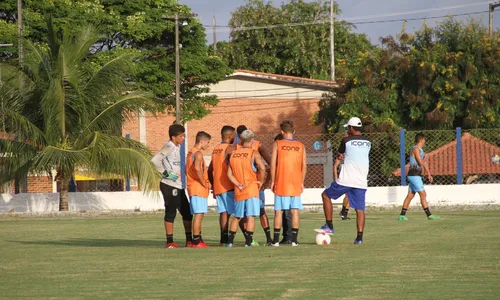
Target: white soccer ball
[323,239]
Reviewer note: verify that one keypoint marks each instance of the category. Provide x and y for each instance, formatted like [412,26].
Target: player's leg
[357,201]
[425,206]
[345,208]
[239,212]
[187,217]
[335,191]
[264,220]
[252,208]
[295,207]
[406,204]
[287,227]
[222,209]
[171,202]
[279,206]
[199,207]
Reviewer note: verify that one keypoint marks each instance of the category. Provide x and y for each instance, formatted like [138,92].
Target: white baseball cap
[354,122]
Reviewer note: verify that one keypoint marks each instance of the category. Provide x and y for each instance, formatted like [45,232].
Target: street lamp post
[176,18]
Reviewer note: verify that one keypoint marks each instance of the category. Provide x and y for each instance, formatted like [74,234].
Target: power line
[226,27]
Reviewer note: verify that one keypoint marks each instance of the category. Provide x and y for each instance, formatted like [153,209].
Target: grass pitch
[457,257]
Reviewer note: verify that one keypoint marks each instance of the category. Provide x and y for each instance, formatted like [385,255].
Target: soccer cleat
[358,242]
[249,246]
[402,218]
[222,245]
[325,230]
[343,217]
[433,217]
[171,245]
[189,244]
[255,243]
[286,242]
[201,245]
[275,244]
[230,245]
[295,244]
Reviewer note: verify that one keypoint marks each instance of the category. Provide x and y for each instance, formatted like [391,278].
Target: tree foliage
[438,78]
[302,51]
[138,28]
[59,114]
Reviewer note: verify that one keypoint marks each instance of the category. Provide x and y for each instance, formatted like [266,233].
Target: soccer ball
[323,239]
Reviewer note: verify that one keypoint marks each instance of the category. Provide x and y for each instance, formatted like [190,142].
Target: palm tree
[60,114]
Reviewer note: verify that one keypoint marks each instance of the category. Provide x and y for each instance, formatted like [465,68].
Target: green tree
[302,50]
[438,78]
[137,27]
[68,115]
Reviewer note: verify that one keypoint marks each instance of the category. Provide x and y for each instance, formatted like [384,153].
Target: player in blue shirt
[416,184]
[353,179]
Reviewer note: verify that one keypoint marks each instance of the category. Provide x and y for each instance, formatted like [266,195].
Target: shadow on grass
[109,243]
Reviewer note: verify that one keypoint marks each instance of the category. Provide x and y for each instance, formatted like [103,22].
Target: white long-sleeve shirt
[169,159]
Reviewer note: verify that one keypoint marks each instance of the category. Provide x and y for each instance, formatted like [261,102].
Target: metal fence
[453,156]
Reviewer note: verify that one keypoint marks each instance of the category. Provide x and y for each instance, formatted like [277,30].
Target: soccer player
[198,185]
[417,165]
[287,217]
[168,162]
[223,187]
[242,172]
[353,179]
[345,203]
[288,171]
[264,220]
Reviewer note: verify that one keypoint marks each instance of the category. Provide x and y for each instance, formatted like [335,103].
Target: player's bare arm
[304,167]
[198,166]
[274,159]
[421,162]
[257,158]
[233,179]
[265,155]
[211,174]
[336,169]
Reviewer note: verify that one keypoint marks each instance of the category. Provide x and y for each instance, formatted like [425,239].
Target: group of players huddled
[238,175]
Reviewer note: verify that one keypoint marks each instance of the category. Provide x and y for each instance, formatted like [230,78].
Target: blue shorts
[287,202]
[262,197]
[199,205]
[249,207]
[416,184]
[225,202]
[356,195]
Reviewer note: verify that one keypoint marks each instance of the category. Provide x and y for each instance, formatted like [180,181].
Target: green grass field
[457,257]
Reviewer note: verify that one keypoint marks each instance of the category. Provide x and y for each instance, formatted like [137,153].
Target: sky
[362,10]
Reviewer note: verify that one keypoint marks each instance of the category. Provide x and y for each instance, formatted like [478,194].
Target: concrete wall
[476,194]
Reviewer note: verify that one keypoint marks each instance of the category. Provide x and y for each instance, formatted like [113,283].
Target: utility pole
[332,42]
[176,18]
[214,24]
[492,9]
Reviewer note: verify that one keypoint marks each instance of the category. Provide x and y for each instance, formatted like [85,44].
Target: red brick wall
[260,115]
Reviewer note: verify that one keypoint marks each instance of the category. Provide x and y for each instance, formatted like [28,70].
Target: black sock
[230,237]
[295,233]
[224,236]
[189,237]
[359,237]
[427,211]
[276,235]
[170,238]
[403,211]
[329,223]
[267,231]
[196,239]
[344,210]
[249,238]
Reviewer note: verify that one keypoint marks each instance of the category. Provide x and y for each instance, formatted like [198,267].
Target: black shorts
[175,200]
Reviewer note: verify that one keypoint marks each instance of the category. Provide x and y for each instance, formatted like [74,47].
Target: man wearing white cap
[353,179]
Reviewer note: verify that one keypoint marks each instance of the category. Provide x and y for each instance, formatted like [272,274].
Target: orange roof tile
[476,158]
